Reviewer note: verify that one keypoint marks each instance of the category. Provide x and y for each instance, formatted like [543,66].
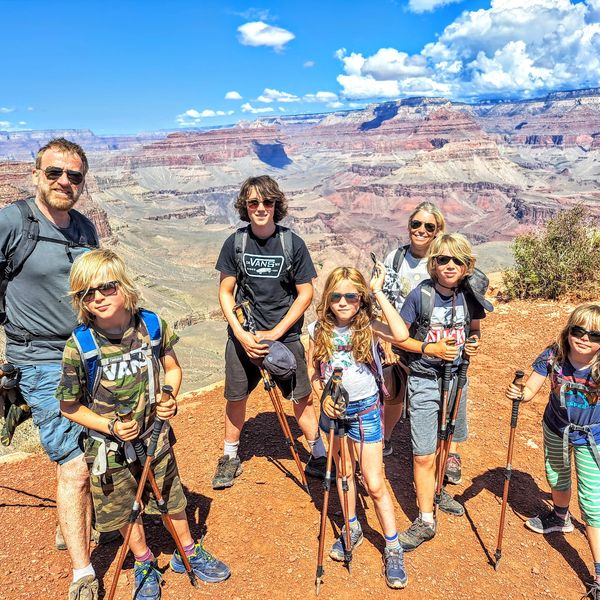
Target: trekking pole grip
[518,381]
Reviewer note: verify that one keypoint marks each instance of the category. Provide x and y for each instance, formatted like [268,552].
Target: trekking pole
[335,380]
[343,439]
[518,381]
[242,312]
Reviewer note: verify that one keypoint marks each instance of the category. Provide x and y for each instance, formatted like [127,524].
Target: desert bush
[561,259]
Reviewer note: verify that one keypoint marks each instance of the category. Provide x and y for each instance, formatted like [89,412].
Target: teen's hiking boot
[388,449]
[316,467]
[356,539]
[394,569]
[549,522]
[99,538]
[85,588]
[147,580]
[203,563]
[227,470]
[449,505]
[416,534]
[594,592]
[453,469]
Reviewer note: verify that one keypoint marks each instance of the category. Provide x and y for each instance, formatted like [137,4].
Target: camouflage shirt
[123,382]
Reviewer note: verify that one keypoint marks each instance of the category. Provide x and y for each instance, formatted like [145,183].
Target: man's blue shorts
[369,423]
[61,439]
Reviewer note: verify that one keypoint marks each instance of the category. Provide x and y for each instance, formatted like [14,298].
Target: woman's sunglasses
[54,173]
[429,227]
[444,260]
[578,332]
[267,203]
[336,297]
[106,289]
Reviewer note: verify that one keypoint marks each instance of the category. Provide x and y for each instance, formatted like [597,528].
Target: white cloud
[5,110]
[247,107]
[320,97]
[421,6]
[270,95]
[513,48]
[22,122]
[308,64]
[233,95]
[5,124]
[281,108]
[258,33]
[193,117]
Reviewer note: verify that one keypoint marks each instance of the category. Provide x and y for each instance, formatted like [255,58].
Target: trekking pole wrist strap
[111,427]
[423,346]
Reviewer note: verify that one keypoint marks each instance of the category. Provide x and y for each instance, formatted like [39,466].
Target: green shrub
[562,259]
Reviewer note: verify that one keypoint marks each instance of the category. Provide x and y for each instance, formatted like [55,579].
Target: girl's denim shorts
[366,428]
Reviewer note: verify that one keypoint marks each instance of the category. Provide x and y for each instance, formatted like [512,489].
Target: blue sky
[129,66]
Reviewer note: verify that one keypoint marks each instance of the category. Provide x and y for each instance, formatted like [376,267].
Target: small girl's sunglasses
[351,297]
[578,332]
[429,227]
[444,260]
[106,289]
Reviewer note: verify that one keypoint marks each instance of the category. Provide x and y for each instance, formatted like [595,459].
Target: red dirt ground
[265,527]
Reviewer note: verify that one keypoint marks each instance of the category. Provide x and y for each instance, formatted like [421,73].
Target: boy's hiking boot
[453,469]
[227,470]
[204,565]
[416,534]
[356,538]
[147,579]
[594,592]
[99,538]
[316,467]
[85,588]
[450,506]
[388,449]
[549,522]
[394,569]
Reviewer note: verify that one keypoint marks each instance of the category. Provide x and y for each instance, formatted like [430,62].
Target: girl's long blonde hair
[587,316]
[100,265]
[360,325]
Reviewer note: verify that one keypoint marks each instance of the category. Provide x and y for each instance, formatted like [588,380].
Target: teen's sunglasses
[444,260]
[578,332]
[429,227]
[351,297]
[106,289]
[54,173]
[267,203]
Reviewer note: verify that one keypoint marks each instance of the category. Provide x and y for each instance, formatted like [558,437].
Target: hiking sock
[354,524]
[146,556]
[80,573]
[189,550]
[597,569]
[561,511]
[317,447]
[393,543]
[231,448]
[427,517]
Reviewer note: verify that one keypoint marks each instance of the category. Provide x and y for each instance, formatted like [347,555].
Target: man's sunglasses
[106,289]
[578,332]
[267,203]
[352,297]
[444,260]
[54,173]
[429,227]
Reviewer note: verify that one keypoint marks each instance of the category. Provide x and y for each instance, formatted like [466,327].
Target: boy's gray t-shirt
[37,298]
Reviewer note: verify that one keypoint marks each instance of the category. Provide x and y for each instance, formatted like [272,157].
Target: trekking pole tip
[317,586]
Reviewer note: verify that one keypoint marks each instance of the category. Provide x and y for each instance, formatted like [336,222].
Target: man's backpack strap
[399,257]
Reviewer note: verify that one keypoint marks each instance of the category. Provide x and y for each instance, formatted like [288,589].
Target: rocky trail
[265,527]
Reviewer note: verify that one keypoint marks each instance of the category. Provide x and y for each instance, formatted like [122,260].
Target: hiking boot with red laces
[453,469]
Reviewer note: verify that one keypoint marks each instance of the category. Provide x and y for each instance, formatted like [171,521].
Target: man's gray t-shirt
[37,299]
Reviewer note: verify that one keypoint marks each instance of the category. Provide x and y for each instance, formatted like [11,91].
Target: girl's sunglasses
[429,227]
[336,297]
[267,203]
[106,289]
[54,173]
[578,332]
[444,260]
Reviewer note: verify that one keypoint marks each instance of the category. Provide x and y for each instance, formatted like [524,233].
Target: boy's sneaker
[85,588]
[204,565]
[356,539]
[594,591]
[394,569]
[147,579]
[316,467]
[453,469]
[388,449]
[227,470]
[416,534]
[449,505]
[549,522]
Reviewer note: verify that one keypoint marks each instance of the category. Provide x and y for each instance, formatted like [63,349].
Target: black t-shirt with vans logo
[264,263]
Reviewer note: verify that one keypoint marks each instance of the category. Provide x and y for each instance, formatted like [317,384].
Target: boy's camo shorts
[114,492]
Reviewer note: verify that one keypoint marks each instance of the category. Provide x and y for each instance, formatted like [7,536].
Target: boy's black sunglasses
[429,227]
[578,332]
[106,289]
[444,260]
[267,203]
[54,173]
